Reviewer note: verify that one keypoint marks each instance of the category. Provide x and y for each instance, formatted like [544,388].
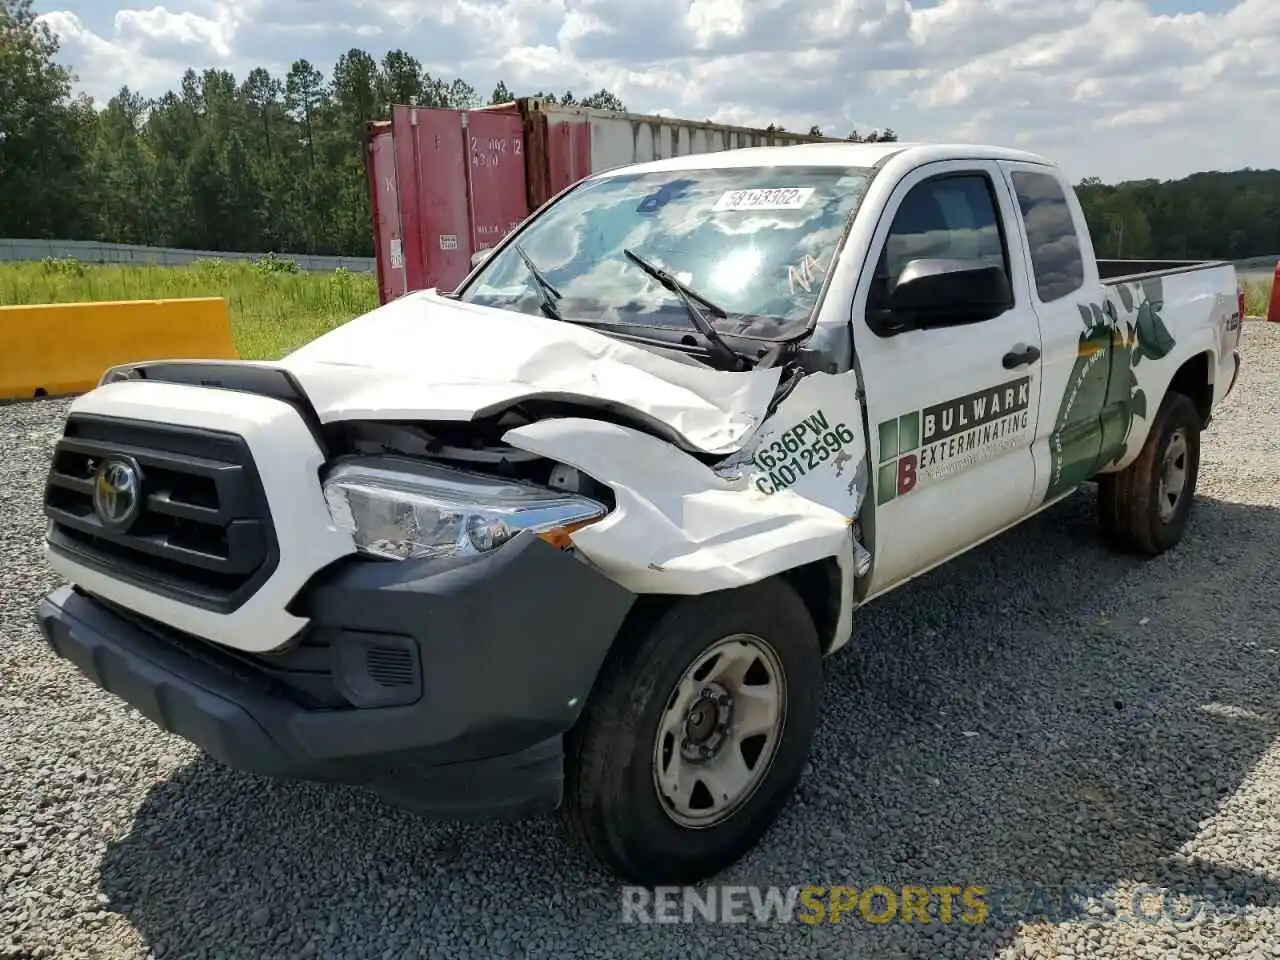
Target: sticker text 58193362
[775,198]
[799,450]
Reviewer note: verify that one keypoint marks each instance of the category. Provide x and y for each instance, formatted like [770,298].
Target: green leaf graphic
[1105,389]
[1153,290]
[1154,339]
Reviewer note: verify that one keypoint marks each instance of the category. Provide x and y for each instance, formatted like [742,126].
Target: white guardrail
[91,251]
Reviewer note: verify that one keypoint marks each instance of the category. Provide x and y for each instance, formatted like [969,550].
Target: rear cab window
[1052,237]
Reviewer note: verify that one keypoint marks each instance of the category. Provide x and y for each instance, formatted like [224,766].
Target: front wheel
[695,736]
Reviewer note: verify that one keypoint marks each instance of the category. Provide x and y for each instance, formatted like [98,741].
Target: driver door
[952,409]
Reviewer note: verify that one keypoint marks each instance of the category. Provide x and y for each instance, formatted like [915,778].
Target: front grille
[203,534]
[390,666]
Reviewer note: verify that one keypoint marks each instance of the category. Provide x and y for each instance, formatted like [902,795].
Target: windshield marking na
[755,241]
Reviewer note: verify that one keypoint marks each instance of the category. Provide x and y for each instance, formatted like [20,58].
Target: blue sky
[1111,88]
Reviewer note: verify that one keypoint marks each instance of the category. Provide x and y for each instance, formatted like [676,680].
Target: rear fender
[1160,323]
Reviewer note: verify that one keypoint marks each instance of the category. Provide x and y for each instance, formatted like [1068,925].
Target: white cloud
[157,32]
[711,20]
[1113,88]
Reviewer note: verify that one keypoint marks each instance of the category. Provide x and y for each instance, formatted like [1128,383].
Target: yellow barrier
[55,349]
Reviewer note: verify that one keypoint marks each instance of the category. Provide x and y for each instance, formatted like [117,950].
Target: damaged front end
[404,491]
[597,478]
[652,516]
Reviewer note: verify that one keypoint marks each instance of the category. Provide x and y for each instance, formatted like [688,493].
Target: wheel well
[1192,381]
[818,585]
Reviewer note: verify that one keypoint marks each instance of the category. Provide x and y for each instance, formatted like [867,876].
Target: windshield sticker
[778,198]
[664,195]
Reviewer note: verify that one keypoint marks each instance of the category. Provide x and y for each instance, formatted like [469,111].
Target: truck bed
[1115,271]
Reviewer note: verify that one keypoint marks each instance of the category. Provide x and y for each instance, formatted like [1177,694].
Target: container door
[384,198]
[441,224]
[496,187]
[568,149]
[461,187]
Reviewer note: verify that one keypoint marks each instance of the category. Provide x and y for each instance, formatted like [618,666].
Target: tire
[1129,502]
[612,806]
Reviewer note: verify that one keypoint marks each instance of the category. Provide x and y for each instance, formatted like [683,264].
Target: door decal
[929,445]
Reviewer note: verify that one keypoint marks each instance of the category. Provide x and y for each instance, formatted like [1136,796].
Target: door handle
[1021,356]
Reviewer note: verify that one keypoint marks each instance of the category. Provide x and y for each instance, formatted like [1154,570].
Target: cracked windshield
[753,242]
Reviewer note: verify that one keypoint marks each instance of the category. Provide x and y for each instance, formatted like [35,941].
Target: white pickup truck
[579,534]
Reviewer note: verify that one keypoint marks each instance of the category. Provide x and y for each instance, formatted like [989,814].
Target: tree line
[1206,216]
[269,163]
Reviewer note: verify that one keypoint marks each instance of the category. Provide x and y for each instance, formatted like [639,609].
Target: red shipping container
[444,184]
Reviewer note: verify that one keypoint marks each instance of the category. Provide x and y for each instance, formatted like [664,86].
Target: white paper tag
[776,198]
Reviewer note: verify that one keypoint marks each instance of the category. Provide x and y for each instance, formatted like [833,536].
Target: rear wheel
[1145,507]
[695,736]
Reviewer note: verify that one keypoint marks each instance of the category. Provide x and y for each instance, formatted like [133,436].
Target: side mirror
[480,256]
[943,292]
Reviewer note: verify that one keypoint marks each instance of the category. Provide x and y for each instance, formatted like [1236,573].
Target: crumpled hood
[426,357]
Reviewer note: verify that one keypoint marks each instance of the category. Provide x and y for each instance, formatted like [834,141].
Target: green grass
[1257,297]
[273,310]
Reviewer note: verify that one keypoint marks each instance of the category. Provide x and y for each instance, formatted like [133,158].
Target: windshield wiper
[547,294]
[736,361]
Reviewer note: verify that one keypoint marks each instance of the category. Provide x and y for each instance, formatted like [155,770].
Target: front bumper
[497,656]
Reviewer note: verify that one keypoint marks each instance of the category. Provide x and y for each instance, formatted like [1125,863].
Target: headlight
[406,509]
[122,372]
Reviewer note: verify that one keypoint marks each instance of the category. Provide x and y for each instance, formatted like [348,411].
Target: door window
[953,216]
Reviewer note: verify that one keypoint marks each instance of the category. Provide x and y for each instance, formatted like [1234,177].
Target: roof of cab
[835,153]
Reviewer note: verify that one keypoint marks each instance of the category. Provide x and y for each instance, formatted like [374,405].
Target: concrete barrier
[56,349]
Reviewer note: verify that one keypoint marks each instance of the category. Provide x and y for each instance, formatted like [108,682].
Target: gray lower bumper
[506,652]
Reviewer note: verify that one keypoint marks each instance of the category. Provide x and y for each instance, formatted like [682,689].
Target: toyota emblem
[117,493]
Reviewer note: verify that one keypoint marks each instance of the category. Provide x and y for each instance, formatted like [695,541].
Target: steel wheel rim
[698,791]
[1173,474]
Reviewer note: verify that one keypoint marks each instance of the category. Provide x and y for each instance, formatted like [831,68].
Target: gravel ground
[1038,713]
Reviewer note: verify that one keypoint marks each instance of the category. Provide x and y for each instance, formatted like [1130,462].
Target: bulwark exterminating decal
[931,444]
